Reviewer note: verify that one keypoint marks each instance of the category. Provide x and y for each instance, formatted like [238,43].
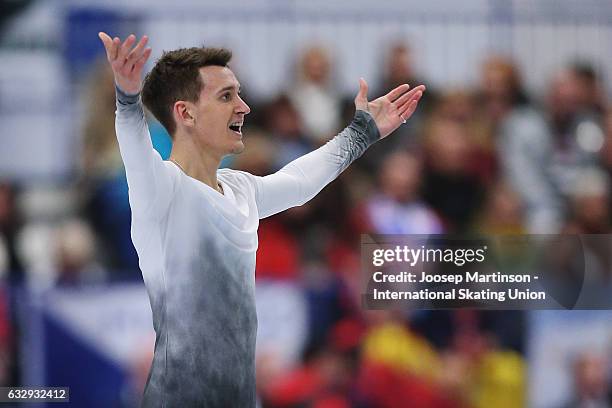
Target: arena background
[514,135]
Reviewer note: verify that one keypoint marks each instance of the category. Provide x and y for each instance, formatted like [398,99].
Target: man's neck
[195,162]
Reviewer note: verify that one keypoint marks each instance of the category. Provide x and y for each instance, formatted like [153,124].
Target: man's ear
[183,113]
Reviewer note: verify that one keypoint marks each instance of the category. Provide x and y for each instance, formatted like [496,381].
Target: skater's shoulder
[236,177]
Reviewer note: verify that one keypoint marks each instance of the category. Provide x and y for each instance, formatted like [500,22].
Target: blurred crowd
[492,159]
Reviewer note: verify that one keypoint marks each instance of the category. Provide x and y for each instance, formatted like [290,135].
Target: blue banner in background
[97,341]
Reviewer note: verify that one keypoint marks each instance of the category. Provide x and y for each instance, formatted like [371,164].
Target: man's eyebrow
[229,88]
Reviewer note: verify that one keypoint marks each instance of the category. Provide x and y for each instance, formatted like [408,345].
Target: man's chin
[238,148]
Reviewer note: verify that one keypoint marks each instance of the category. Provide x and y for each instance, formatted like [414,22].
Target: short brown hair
[176,77]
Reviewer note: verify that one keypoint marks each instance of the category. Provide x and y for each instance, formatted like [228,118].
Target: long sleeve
[149,181]
[303,178]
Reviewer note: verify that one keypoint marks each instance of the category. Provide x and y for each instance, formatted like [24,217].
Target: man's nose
[243,107]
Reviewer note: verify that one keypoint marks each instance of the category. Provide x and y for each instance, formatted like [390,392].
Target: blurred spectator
[259,153]
[75,253]
[502,212]
[284,123]
[397,207]
[500,93]
[590,203]
[507,120]
[591,382]
[398,69]
[522,139]
[541,159]
[589,213]
[501,89]
[463,107]
[10,224]
[606,151]
[592,87]
[525,149]
[35,247]
[577,136]
[451,186]
[314,97]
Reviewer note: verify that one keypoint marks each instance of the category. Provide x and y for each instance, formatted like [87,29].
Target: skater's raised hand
[391,110]
[126,60]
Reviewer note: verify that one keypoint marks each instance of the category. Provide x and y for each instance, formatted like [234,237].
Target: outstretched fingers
[126,60]
[125,57]
[110,45]
[397,92]
[136,52]
[408,108]
[125,47]
[142,60]
[408,96]
[116,45]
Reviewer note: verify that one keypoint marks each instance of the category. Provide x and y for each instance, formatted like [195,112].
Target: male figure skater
[195,226]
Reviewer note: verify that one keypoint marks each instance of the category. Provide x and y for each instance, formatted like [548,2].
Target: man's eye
[226,97]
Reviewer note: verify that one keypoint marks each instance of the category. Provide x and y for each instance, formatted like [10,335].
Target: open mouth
[236,127]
